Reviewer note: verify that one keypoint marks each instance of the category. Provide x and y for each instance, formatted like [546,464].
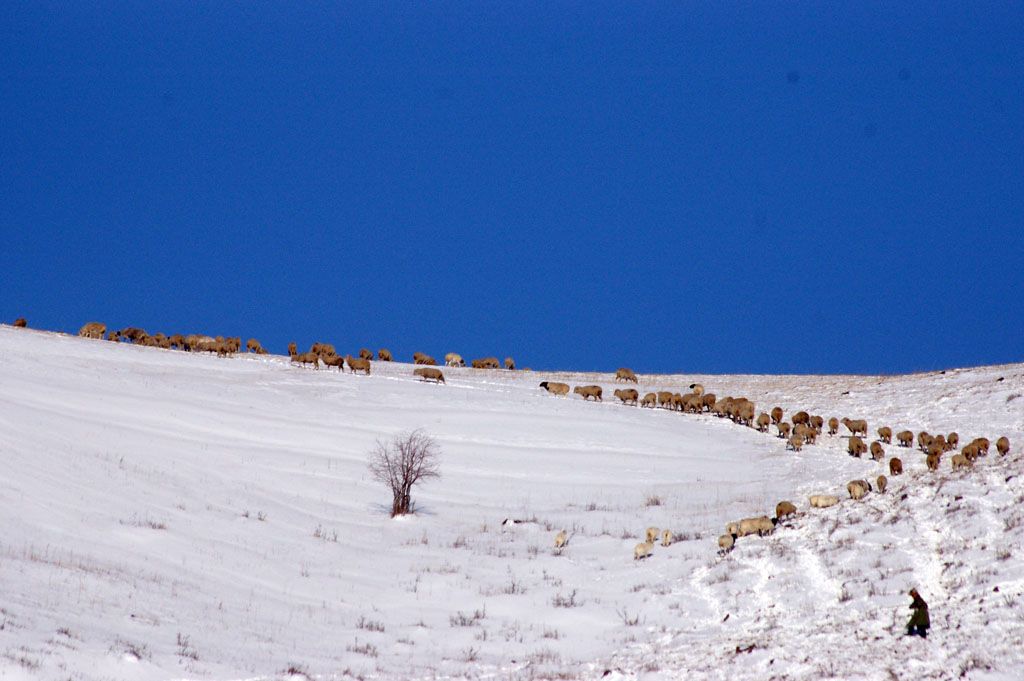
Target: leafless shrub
[405,460]
[136,650]
[185,649]
[560,601]
[470,654]
[626,619]
[461,619]
[652,500]
[367,649]
[321,533]
[844,595]
[370,625]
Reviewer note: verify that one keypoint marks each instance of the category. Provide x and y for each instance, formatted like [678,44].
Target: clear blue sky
[681,186]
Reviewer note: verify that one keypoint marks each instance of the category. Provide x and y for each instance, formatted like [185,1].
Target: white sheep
[652,534]
[561,539]
[822,500]
[666,537]
[726,542]
[857,489]
[642,550]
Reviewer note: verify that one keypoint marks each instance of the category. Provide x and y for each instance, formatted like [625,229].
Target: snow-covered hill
[173,516]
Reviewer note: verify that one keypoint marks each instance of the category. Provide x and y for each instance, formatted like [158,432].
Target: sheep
[95,330]
[856,446]
[732,528]
[822,500]
[810,436]
[429,374]
[932,461]
[20,323]
[859,426]
[833,426]
[895,466]
[357,364]
[982,443]
[649,400]
[745,414]
[940,442]
[334,361]
[924,440]
[885,434]
[292,349]
[762,525]
[694,405]
[776,416]
[796,442]
[953,440]
[366,354]
[721,407]
[936,449]
[697,388]
[628,395]
[857,489]
[253,345]
[960,461]
[589,391]
[384,355]
[666,537]
[1003,446]
[906,438]
[783,509]
[877,452]
[132,334]
[643,550]
[624,374]
[113,336]
[486,363]
[510,364]
[555,388]
[561,539]
[726,542]
[801,418]
[708,399]
[307,358]
[652,534]
[817,423]
[453,359]
[664,399]
[763,421]
[178,341]
[883,482]
[420,358]
[783,430]
[971,452]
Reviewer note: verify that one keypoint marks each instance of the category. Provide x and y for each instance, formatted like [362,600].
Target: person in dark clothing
[919,621]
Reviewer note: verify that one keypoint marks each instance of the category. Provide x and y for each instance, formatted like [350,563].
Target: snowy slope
[171,516]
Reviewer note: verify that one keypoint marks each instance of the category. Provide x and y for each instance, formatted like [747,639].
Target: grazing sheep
[763,421]
[510,364]
[178,341]
[253,345]
[801,418]
[960,461]
[732,528]
[1003,446]
[982,443]
[95,330]
[665,399]
[694,405]
[649,400]
[924,440]
[776,416]
[20,323]
[971,452]
[796,442]
[783,430]
[762,525]
[783,509]
[940,441]
[486,363]
[817,423]
[932,461]
[895,466]
[697,388]
[953,440]
[833,426]
[856,446]
[114,336]
[652,534]
[628,395]
[643,550]
[334,361]
[811,436]
[883,482]
[384,355]
[555,388]
[307,358]
[822,500]
[666,537]
[857,489]
[292,349]
[726,542]
[561,539]
[366,354]
[589,391]
[906,438]
[936,448]
[429,374]
[624,374]
[876,450]
[859,426]
[420,358]
[453,359]
[745,414]
[708,400]
[357,364]
[132,334]
[885,434]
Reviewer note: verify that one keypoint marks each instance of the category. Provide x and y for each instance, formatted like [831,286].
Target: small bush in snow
[408,458]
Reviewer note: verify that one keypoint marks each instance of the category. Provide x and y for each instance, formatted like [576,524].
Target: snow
[177,516]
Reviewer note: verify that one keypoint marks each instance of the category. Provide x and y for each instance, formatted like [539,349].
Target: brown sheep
[366,354]
[628,395]
[694,404]
[796,442]
[665,399]
[454,359]
[745,414]
[334,361]
[883,482]
[953,440]
[859,426]
[763,421]
[982,443]
[971,452]
[589,391]
[936,448]
[783,509]
[1003,446]
[114,336]
[649,400]
[856,446]
[960,461]
[430,374]
[857,489]
[420,358]
[95,330]
[555,388]
[776,416]
[885,434]
[833,426]
[810,436]
[486,363]
[132,334]
[708,400]
[292,349]
[895,466]
[253,345]
[932,461]
[940,441]
[357,364]
[20,323]
[924,440]
[510,364]
[697,388]
[817,423]
[906,438]
[307,358]
[783,430]
[877,453]
[801,418]
[178,341]
[624,374]
[384,355]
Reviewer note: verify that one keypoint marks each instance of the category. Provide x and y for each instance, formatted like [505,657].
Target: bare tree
[402,462]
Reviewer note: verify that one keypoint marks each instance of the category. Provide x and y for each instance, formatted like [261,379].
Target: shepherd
[919,621]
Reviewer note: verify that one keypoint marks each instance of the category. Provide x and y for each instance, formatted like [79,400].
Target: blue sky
[693,187]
